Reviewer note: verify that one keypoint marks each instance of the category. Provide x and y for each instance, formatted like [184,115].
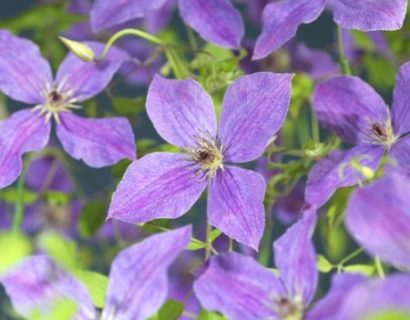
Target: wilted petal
[401,101]
[98,142]
[37,283]
[254,108]
[349,107]
[235,204]
[369,15]
[108,13]
[180,111]
[327,307]
[238,287]
[216,21]
[295,258]
[281,21]
[335,171]
[377,216]
[138,282]
[24,73]
[85,80]
[159,185]
[23,132]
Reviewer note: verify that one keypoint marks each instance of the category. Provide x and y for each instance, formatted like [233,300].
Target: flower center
[207,154]
[288,309]
[382,133]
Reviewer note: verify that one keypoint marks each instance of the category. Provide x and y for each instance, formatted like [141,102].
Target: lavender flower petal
[335,171]
[24,131]
[216,21]
[85,80]
[159,185]
[24,73]
[281,20]
[181,111]
[238,287]
[369,15]
[349,107]
[254,108]
[399,157]
[98,142]
[377,217]
[401,101]
[138,278]
[235,204]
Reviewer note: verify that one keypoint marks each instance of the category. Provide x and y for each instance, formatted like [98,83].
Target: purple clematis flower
[281,19]
[166,185]
[137,284]
[241,289]
[378,218]
[25,76]
[353,297]
[216,21]
[357,114]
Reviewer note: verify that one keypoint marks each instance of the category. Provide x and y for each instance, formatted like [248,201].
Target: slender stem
[230,245]
[265,252]
[208,247]
[315,127]
[343,61]
[379,267]
[350,256]
[19,207]
[191,39]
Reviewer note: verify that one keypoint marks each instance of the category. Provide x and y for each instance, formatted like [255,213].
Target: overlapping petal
[24,73]
[336,171]
[401,101]
[254,108]
[369,15]
[281,21]
[98,142]
[181,111]
[399,157]
[85,80]
[216,21]
[23,132]
[159,185]
[138,282]
[377,217]
[235,204]
[349,107]
[238,287]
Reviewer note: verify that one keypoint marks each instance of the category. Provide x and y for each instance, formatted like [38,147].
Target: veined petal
[138,282]
[401,101]
[159,185]
[377,217]
[181,111]
[84,80]
[108,13]
[349,106]
[37,284]
[295,258]
[24,73]
[369,15]
[216,21]
[399,157]
[254,108]
[281,21]
[238,287]
[23,132]
[98,142]
[235,204]
[336,171]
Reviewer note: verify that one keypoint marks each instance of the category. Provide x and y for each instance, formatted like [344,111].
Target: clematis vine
[26,76]
[358,115]
[166,185]
[137,285]
[282,19]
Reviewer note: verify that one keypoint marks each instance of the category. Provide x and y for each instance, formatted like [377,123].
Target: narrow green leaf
[96,284]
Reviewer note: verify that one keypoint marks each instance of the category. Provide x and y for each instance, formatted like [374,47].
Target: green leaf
[363,41]
[15,247]
[389,315]
[360,268]
[91,218]
[127,106]
[56,198]
[171,310]
[208,315]
[214,235]
[323,264]
[60,249]
[195,244]
[10,195]
[96,284]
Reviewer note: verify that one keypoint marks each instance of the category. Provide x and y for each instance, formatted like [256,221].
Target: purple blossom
[241,289]
[166,185]
[26,76]
[281,19]
[357,114]
[216,21]
[137,284]
[377,216]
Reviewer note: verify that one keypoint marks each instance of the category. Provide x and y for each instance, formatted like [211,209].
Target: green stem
[379,267]
[265,252]
[19,208]
[343,61]
[315,127]
[208,247]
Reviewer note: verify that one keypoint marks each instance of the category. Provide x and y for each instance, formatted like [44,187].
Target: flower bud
[80,49]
